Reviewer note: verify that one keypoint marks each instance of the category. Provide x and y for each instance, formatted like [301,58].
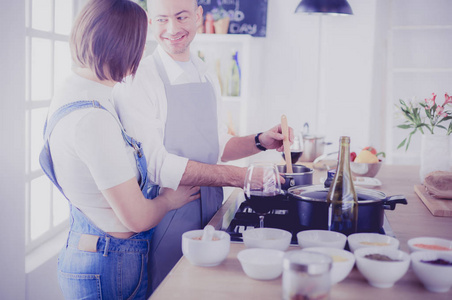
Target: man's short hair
[149,4]
[108,37]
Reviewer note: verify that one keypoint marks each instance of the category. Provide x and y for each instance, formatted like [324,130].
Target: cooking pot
[301,176]
[313,145]
[312,207]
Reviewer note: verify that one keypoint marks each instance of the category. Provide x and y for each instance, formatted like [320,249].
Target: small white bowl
[361,240]
[269,238]
[343,262]
[261,264]
[205,253]
[321,238]
[435,278]
[382,274]
[433,241]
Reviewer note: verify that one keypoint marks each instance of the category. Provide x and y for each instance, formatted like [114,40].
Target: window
[48,24]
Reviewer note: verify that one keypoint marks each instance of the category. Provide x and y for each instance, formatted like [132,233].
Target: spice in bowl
[438,261]
[374,244]
[432,247]
[380,257]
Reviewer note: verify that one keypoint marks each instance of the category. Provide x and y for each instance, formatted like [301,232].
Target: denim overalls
[94,264]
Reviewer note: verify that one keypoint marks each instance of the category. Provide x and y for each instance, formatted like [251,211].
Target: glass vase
[435,154]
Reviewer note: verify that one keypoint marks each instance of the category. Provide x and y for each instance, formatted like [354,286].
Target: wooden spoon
[286,143]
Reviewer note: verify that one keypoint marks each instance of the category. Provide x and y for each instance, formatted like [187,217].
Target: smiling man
[172,106]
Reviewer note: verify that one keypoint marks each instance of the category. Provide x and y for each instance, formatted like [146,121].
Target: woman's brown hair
[108,37]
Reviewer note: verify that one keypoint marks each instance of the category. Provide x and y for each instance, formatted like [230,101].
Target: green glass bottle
[342,198]
[234,76]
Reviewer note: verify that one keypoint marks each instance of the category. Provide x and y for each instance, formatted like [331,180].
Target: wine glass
[296,149]
[262,187]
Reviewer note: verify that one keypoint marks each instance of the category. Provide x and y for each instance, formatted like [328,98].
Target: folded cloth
[439,184]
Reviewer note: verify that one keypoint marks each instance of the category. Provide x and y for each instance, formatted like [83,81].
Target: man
[171,106]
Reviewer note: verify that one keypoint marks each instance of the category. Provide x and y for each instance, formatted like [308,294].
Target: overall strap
[73,106]
[45,157]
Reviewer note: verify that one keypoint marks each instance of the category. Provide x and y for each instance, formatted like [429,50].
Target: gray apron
[191,131]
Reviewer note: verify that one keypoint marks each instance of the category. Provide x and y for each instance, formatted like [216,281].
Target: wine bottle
[234,76]
[342,199]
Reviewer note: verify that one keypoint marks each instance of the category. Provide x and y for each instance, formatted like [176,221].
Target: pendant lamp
[340,7]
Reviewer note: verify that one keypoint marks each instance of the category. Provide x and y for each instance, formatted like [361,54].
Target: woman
[97,166]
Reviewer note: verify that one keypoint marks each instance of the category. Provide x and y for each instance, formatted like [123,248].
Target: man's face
[174,24]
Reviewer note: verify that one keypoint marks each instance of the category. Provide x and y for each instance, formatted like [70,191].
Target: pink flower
[430,102]
[440,112]
[448,100]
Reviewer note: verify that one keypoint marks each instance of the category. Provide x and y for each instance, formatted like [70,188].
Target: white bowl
[429,241]
[321,238]
[205,253]
[435,278]
[364,169]
[269,238]
[382,274]
[361,240]
[343,262]
[261,264]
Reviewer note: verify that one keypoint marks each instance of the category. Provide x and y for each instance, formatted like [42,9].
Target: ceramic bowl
[432,244]
[270,238]
[436,278]
[365,170]
[382,274]
[362,240]
[261,264]
[205,253]
[321,238]
[343,262]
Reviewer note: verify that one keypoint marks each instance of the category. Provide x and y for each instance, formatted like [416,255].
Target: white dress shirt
[142,108]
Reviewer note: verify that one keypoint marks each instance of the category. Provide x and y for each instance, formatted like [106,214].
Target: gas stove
[284,216]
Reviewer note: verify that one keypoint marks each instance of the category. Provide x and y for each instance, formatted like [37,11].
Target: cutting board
[438,207]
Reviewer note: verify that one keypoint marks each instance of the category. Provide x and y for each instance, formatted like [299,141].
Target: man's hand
[273,138]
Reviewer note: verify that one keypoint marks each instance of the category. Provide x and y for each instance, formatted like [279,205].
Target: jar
[329,178]
[306,275]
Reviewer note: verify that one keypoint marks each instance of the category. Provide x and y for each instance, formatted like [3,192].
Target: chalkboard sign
[246,16]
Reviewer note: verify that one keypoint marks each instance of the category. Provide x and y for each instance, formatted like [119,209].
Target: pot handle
[390,202]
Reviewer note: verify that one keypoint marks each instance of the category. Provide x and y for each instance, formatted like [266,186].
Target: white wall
[12,153]
[289,80]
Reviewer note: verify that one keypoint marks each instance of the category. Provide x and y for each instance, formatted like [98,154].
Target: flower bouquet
[427,115]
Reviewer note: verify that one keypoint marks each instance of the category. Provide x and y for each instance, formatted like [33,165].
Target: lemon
[365,156]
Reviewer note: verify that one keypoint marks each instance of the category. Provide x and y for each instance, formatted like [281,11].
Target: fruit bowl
[365,170]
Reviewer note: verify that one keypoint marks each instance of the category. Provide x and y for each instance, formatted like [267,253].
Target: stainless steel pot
[313,145]
[301,176]
[312,207]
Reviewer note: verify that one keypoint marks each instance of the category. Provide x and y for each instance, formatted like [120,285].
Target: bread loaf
[439,184]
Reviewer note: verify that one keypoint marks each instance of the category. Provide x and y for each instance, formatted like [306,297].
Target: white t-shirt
[89,152]
[142,108]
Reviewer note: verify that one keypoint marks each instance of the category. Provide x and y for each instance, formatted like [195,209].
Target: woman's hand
[183,195]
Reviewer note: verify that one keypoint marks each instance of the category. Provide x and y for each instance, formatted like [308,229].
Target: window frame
[30,105]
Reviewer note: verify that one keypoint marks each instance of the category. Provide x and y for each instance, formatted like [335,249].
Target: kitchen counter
[228,281]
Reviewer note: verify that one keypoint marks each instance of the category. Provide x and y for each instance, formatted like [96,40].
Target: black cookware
[313,209]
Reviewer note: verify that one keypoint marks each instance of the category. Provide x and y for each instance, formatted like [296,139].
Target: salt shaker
[306,275]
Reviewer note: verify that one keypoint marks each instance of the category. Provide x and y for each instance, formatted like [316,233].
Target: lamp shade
[324,7]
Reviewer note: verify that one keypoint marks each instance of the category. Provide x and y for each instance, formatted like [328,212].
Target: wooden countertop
[228,281]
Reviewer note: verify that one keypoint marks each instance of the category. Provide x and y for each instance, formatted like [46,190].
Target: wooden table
[228,281]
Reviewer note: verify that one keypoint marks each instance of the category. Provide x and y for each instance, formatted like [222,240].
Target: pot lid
[319,193]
